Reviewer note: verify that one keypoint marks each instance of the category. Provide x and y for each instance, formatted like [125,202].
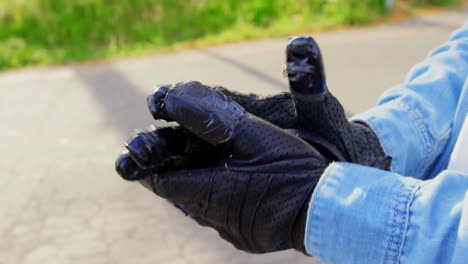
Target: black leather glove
[171,150]
[257,196]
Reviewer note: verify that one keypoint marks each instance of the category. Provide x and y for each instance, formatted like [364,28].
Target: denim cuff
[406,141]
[358,214]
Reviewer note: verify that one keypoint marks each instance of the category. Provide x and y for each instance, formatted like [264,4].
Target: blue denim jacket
[418,212]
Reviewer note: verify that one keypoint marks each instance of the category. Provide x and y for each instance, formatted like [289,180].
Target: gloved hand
[257,196]
[177,149]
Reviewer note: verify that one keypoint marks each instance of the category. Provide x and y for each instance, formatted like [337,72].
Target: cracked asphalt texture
[62,128]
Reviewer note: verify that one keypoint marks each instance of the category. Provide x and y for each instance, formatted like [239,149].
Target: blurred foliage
[434,2]
[57,31]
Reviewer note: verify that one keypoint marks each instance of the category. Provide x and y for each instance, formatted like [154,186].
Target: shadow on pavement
[245,68]
[123,104]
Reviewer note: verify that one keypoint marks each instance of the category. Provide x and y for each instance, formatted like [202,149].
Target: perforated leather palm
[254,197]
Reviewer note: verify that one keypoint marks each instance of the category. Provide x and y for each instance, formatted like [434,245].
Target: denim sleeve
[415,119]
[363,215]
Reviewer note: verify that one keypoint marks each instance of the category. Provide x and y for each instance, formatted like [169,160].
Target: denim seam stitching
[414,189]
[399,224]
[392,233]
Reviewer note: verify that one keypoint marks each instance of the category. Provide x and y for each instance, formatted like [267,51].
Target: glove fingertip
[155,102]
[126,167]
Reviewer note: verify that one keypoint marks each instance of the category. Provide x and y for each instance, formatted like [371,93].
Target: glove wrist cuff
[299,225]
[369,151]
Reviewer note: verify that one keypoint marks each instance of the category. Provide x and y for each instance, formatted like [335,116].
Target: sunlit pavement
[62,127]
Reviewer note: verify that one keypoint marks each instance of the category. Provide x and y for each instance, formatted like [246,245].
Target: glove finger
[304,66]
[317,109]
[217,119]
[155,101]
[128,169]
[278,109]
[207,113]
[172,148]
[152,149]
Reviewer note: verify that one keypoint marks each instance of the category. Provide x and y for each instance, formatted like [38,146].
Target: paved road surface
[62,127]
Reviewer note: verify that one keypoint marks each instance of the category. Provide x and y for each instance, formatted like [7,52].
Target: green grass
[36,32]
[434,3]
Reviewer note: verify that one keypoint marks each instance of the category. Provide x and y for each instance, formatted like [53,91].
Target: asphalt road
[62,127]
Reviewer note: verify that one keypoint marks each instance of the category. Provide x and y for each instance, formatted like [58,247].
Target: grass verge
[37,32]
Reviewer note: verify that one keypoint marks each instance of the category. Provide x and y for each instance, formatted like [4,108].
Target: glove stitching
[226,219]
[244,195]
[210,190]
[252,220]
